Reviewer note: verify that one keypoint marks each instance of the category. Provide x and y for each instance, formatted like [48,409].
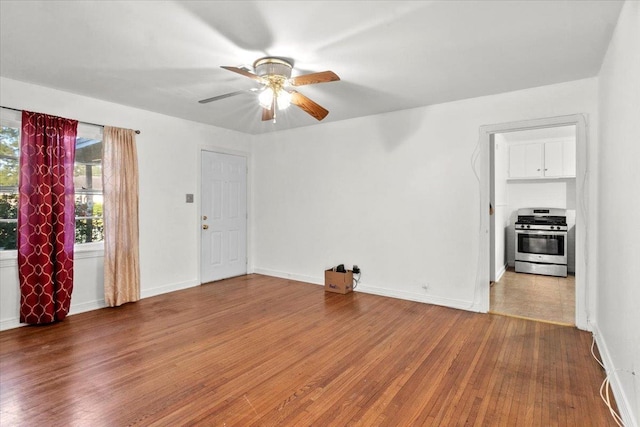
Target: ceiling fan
[276,92]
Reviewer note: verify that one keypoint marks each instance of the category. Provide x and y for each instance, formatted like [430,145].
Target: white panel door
[223,216]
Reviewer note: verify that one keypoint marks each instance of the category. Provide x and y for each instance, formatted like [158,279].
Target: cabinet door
[560,159]
[553,159]
[569,158]
[525,160]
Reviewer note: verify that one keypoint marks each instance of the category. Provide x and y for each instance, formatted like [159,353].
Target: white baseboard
[386,292]
[622,400]
[146,293]
[290,276]
[500,273]
[86,306]
[74,309]
[412,296]
[11,323]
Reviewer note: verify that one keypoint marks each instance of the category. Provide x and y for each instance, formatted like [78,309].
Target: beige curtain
[120,186]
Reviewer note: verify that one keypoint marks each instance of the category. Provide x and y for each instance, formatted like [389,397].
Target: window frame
[12,118]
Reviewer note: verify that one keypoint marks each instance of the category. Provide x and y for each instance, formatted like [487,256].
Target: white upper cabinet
[560,159]
[548,159]
[525,161]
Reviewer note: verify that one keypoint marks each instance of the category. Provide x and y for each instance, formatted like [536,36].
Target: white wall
[394,193]
[618,316]
[168,151]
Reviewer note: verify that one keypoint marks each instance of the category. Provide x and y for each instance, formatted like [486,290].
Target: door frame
[585,282]
[198,204]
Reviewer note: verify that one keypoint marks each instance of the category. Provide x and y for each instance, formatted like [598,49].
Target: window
[9,144]
[87,177]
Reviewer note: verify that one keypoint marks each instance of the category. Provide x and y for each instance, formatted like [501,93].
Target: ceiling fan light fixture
[284,99]
[266,97]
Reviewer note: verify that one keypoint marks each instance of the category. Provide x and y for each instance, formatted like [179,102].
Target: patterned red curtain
[46,217]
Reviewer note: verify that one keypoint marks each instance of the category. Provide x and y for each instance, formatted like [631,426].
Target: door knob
[205,226]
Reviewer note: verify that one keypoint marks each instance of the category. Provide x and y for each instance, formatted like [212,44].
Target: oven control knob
[528,226]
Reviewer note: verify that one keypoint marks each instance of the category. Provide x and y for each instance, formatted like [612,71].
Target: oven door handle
[542,232]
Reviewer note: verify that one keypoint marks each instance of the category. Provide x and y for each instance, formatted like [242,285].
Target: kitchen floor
[533,296]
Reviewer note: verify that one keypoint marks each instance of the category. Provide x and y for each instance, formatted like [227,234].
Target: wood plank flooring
[263,351]
[534,296]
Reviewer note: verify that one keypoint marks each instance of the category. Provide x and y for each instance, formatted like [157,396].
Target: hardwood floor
[257,350]
[546,298]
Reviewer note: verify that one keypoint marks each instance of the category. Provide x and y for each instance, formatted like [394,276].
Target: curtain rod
[79,121]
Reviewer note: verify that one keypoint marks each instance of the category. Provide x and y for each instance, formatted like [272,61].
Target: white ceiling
[164,56]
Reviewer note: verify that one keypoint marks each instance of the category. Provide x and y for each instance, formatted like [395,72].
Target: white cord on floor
[605,387]
[357,281]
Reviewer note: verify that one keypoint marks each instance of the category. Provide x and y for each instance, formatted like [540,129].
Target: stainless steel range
[541,241]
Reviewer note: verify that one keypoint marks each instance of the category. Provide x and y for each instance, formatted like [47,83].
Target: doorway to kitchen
[534,171]
[535,167]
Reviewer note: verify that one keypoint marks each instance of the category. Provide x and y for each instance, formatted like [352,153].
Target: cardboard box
[341,283]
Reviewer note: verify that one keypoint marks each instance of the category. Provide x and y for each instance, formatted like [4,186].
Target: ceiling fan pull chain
[274,107]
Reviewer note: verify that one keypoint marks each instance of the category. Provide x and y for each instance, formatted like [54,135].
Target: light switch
[189,198]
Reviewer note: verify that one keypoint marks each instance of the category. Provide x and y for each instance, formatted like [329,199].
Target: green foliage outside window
[8,230]
[9,174]
[89,221]
[87,178]
[9,146]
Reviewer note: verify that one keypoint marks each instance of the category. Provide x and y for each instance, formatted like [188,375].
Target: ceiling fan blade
[226,95]
[308,105]
[313,78]
[245,73]
[269,113]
